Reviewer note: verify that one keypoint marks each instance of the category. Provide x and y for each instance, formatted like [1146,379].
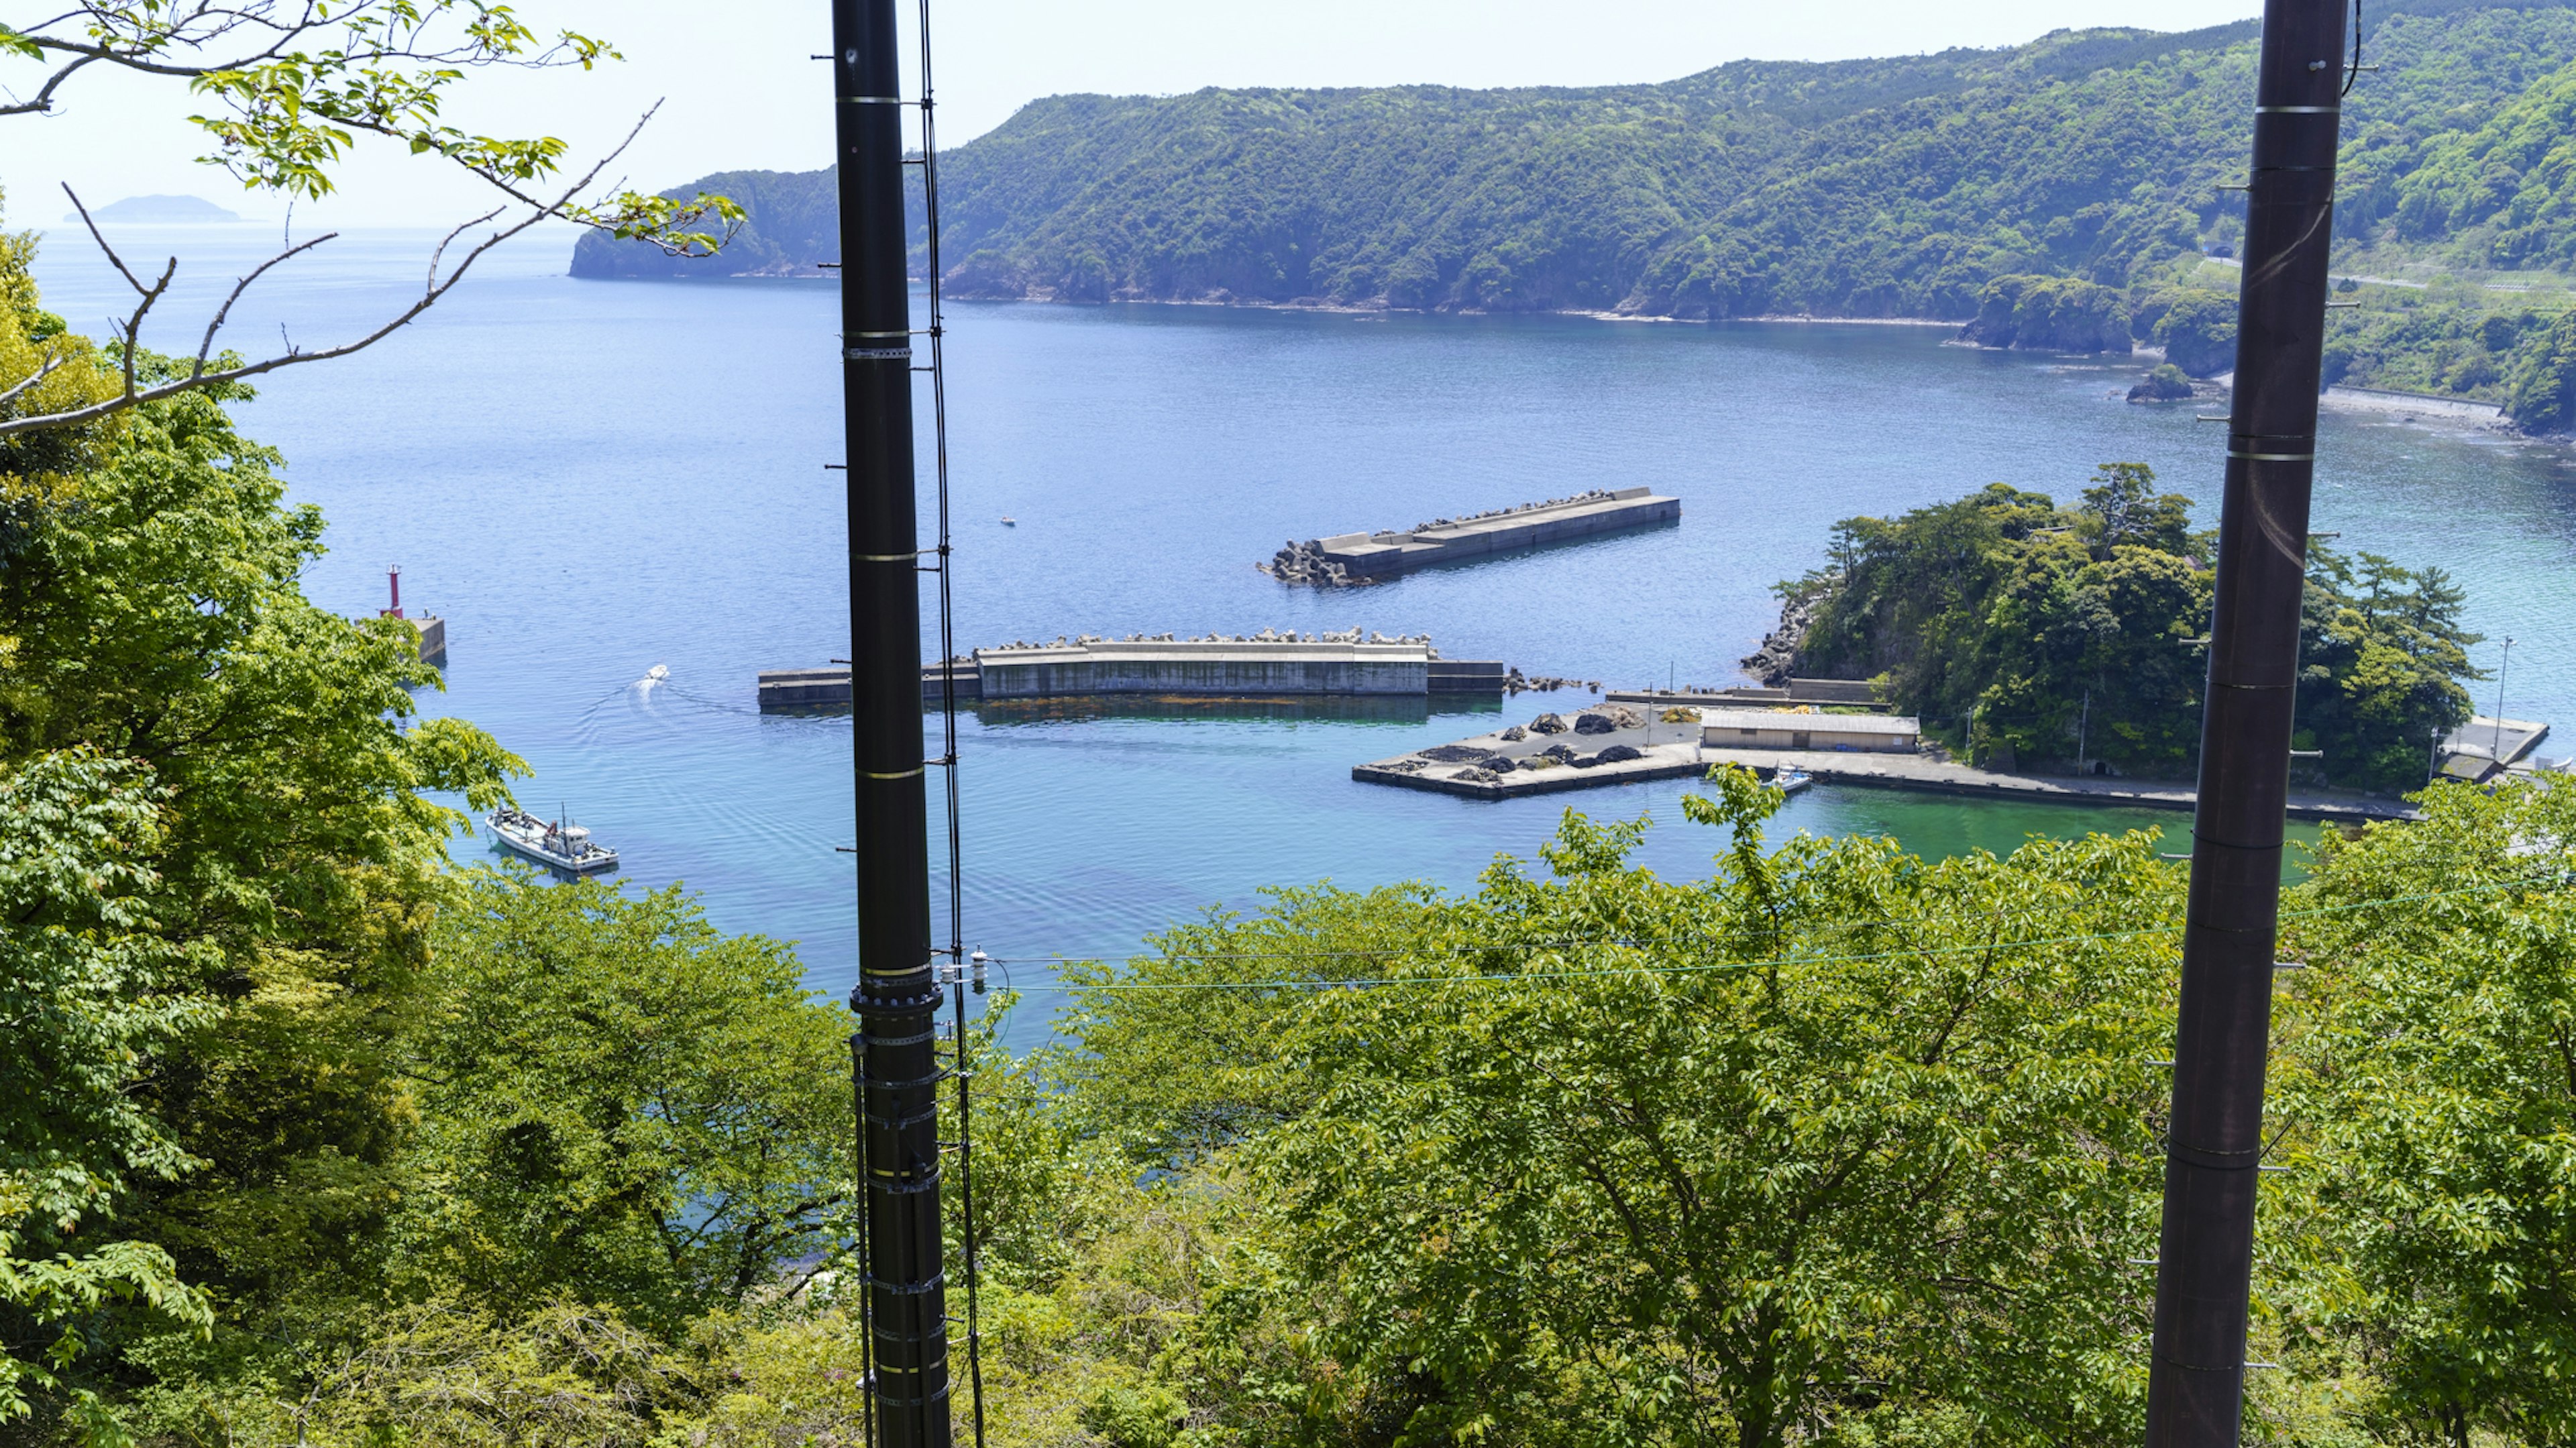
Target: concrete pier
[1258,667]
[2486,747]
[1378,555]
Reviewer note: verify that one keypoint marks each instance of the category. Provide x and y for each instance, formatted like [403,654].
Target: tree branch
[206,345]
[206,24]
[44,99]
[52,361]
[435,288]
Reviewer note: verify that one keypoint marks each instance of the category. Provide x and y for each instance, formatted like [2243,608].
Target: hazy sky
[739,91]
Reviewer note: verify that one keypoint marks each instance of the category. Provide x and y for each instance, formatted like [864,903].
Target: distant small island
[160,210]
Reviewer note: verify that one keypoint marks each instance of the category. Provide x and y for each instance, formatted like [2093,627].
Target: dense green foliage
[2030,633]
[2431,1073]
[1540,1164]
[620,1102]
[2501,189]
[308,1138]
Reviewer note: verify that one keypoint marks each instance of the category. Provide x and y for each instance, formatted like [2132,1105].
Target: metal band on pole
[2214,1150]
[897,1117]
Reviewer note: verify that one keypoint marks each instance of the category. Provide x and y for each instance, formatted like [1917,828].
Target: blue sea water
[591,478]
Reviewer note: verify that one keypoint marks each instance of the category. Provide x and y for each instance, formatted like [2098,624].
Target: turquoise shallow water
[588,479]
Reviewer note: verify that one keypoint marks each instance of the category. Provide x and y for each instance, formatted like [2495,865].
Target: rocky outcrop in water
[1305,563]
[2166,384]
[1519,683]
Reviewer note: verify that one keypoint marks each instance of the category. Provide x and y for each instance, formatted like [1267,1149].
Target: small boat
[551,843]
[1790,781]
[1009,522]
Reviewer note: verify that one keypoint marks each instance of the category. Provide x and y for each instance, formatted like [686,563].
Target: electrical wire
[956,951]
[1682,942]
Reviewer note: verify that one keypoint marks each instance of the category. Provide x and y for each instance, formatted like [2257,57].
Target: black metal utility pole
[2196,1383]
[896,995]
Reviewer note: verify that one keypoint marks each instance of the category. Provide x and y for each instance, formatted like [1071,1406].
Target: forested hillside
[1871,187]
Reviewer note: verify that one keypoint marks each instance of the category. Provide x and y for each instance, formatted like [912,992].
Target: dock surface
[1658,750]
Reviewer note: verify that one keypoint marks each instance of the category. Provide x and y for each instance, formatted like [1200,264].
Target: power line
[1682,942]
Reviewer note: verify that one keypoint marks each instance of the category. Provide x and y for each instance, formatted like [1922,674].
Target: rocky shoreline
[1776,661]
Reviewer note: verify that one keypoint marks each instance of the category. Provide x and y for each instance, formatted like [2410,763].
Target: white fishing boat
[551,843]
[1790,781]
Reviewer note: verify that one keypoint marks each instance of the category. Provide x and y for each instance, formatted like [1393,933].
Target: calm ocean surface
[591,478]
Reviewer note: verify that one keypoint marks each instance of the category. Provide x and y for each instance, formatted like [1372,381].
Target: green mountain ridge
[1942,186]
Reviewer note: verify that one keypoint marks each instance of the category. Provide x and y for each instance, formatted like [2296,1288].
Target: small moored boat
[1790,781]
[551,843]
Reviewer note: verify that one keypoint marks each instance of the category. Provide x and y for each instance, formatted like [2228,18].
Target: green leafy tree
[2544,382]
[1838,1144]
[622,1102]
[2428,1075]
[2382,654]
[87,986]
[281,880]
[2197,329]
[2063,314]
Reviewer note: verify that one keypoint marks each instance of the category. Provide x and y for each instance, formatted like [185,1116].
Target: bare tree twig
[206,24]
[435,287]
[134,324]
[207,345]
[151,294]
[117,261]
[52,361]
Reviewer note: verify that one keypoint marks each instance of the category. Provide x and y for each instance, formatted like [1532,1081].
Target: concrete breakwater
[1269,664]
[1350,559]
